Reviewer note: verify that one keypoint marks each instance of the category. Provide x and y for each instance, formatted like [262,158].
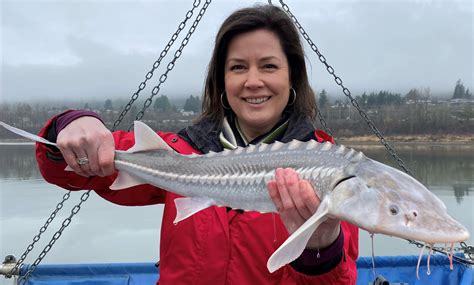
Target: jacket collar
[204,135]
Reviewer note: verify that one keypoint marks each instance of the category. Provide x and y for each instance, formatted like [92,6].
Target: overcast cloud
[103,49]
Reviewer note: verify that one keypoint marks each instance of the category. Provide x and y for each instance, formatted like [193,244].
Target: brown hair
[245,20]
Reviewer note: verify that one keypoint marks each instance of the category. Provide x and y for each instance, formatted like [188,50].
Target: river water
[104,232]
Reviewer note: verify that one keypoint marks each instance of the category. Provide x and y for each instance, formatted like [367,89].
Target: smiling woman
[258,61]
[257,81]
[256,91]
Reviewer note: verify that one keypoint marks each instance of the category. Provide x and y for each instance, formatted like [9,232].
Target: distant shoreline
[411,139]
[372,140]
[16,142]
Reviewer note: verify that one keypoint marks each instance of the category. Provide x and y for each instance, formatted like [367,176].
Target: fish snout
[411,215]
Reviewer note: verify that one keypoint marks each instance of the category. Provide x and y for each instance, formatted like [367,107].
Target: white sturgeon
[375,197]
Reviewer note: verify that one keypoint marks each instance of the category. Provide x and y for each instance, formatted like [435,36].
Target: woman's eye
[270,66]
[237,67]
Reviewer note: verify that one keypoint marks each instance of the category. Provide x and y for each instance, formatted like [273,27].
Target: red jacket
[214,246]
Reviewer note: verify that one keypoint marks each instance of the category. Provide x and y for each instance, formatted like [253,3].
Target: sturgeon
[352,187]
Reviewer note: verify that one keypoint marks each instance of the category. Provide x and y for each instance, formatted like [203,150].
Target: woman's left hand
[296,201]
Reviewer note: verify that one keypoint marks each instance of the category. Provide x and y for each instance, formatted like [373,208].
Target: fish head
[382,199]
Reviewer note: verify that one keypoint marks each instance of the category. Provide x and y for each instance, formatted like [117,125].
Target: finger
[287,202]
[80,153]
[70,159]
[93,165]
[292,183]
[106,154]
[308,194]
[274,194]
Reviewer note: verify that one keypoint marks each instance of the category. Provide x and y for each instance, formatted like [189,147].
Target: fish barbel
[352,187]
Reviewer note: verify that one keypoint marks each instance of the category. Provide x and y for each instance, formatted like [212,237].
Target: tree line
[161,103]
[415,113]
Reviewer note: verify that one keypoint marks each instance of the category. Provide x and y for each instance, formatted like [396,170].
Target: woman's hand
[296,201]
[87,137]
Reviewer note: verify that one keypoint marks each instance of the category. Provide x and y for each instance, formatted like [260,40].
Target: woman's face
[257,81]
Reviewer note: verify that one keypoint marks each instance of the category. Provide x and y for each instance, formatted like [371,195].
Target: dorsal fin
[147,139]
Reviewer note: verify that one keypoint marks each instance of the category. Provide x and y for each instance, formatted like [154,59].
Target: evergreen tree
[459,90]
[323,101]
[413,94]
[468,94]
[162,104]
[362,99]
[192,104]
[108,105]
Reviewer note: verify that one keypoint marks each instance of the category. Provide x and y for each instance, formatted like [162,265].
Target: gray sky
[103,49]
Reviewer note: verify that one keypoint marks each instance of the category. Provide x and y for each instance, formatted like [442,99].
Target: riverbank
[421,142]
[464,140]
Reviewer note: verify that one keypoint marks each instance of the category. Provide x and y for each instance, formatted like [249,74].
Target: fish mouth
[454,236]
[257,100]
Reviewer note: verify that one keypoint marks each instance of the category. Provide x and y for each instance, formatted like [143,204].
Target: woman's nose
[254,79]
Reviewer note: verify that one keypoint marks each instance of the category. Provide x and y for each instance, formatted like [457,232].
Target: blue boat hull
[396,269]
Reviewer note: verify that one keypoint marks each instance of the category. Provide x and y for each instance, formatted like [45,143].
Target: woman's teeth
[257,100]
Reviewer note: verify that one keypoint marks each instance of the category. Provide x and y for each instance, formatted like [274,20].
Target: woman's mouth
[258,100]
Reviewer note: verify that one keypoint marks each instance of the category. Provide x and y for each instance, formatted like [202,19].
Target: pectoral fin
[125,180]
[186,207]
[292,248]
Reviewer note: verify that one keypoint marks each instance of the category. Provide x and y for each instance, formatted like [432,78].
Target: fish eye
[394,210]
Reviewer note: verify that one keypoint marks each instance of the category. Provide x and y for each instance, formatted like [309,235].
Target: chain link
[171,64]
[53,240]
[37,237]
[325,126]
[156,64]
[467,250]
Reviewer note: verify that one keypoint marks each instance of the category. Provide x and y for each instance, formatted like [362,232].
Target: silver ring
[82,160]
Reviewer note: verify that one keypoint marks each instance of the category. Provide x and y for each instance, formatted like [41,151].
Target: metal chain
[53,240]
[346,91]
[37,237]
[156,64]
[325,126]
[467,250]
[134,97]
[171,64]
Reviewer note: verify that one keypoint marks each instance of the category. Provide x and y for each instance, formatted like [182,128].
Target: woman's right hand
[87,137]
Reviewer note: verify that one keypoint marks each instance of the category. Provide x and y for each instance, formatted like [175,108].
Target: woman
[256,91]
